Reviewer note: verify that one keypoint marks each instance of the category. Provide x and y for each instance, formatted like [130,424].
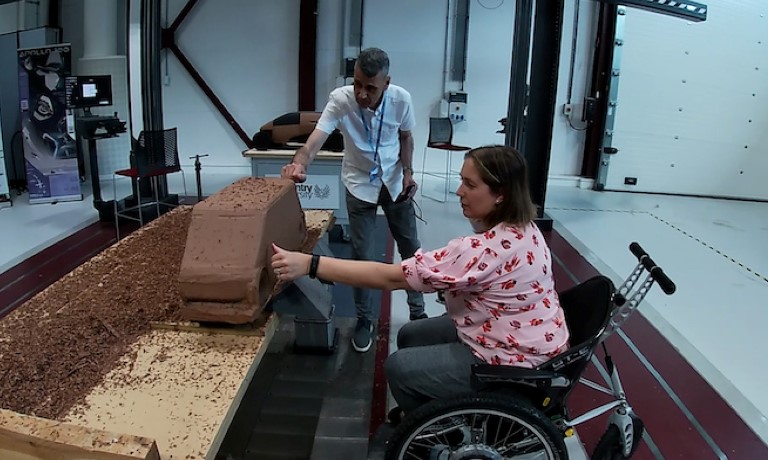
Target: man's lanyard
[374,171]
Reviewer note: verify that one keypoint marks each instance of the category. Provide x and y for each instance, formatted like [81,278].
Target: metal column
[529,127]
[607,149]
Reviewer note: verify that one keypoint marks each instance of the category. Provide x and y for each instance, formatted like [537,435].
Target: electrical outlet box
[457,111]
[568,110]
[349,67]
[457,106]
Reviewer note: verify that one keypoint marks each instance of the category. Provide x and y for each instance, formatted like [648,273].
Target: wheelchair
[520,413]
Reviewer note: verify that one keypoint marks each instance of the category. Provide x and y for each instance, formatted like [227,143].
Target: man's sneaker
[363,338]
[395,415]
[421,315]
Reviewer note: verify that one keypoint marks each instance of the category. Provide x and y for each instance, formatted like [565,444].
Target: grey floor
[305,406]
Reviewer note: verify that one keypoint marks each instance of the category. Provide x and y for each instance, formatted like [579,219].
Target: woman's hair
[504,170]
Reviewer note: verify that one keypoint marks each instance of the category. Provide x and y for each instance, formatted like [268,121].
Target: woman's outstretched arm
[289,265]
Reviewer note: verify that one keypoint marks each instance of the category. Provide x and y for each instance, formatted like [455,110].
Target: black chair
[154,154]
[588,308]
[441,140]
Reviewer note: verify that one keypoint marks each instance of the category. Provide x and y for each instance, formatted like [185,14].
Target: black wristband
[313,265]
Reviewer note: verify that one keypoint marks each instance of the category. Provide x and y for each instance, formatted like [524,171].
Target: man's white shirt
[344,113]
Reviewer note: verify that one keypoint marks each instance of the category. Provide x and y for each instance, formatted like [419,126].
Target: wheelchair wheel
[609,446]
[481,427]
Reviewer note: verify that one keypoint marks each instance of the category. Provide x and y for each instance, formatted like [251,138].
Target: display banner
[5,194]
[318,191]
[50,153]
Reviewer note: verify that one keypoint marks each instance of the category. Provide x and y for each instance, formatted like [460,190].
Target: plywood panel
[23,437]
[176,387]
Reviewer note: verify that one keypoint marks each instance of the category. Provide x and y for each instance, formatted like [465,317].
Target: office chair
[154,154]
[440,139]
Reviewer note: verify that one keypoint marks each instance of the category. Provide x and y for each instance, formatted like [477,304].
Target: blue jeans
[401,219]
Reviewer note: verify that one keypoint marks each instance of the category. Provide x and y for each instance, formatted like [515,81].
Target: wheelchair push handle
[658,275]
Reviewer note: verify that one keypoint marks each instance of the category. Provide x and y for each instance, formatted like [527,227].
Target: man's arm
[296,170]
[308,151]
[406,159]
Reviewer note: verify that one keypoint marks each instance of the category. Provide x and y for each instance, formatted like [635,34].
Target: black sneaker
[363,338]
[422,315]
[395,416]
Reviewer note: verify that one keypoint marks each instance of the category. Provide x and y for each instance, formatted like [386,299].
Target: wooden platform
[172,396]
[180,388]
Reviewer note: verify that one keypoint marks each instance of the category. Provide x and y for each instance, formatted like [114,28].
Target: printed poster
[50,152]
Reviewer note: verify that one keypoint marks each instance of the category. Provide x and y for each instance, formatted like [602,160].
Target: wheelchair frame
[622,417]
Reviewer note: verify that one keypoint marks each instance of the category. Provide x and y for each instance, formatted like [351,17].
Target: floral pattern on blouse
[499,292]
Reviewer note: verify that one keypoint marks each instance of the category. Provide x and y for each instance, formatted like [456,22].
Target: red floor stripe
[667,425]
[722,423]
[25,280]
[669,428]
[379,398]
[48,254]
[41,276]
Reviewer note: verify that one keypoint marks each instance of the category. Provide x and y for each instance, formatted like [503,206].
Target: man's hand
[295,172]
[409,187]
[409,181]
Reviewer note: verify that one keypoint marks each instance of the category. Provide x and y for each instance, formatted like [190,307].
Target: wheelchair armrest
[491,373]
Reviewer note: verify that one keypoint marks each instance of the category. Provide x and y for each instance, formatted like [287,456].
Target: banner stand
[50,152]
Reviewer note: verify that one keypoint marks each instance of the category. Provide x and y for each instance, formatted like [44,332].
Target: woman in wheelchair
[500,298]
[490,379]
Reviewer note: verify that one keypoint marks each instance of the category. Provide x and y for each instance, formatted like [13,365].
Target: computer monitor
[91,91]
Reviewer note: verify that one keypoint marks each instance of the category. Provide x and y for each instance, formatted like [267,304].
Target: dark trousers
[430,363]
[401,219]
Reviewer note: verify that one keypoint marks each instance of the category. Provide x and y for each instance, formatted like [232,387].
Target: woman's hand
[289,265]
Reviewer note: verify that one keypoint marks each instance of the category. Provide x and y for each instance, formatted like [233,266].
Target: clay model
[225,274]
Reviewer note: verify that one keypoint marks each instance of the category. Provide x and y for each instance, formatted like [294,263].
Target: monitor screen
[91,91]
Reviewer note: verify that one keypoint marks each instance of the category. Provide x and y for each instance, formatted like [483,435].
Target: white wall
[23,15]
[330,27]
[9,21]
[415,49]
[489,60]
[247,52]
[568,139]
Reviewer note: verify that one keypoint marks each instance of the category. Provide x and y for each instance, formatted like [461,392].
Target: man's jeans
[401,219]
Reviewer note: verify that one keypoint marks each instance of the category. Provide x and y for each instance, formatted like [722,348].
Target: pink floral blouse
[500,293]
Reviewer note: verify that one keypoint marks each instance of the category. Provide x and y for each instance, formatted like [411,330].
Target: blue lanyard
[373,174]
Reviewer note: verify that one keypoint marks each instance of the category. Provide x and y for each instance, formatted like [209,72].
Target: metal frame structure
[307,61]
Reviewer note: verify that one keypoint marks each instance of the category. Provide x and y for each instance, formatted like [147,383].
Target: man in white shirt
[376,120]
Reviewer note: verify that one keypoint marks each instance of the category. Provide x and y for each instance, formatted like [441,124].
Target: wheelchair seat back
[588,307]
